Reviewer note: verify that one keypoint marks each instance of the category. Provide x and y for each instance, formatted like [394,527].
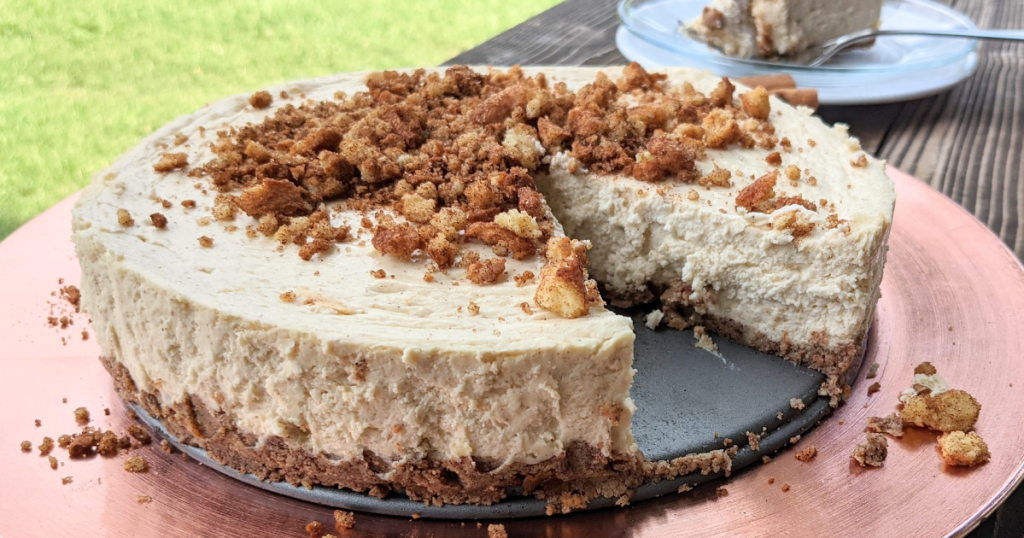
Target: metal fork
[818,55]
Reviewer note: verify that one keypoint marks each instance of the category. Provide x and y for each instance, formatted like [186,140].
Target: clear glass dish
[659,21]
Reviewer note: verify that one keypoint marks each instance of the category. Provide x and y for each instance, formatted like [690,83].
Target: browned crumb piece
[486,271]
[766,459]
[53,462]
[66,480]
[108,444]
[139,433]
[158,220]
[891,425]
[315,529]
[136,464]
[796,403]
[428,277]
[81,415]
[38,423]
[953,410]
[72,295]
[399,240]
[872,452]
[273,197]
[722,492]
[171,161]
[774,158]
[496,530]
[811,142]
[786,488]
[860,162]
[415,515]
[206,241]
[124,218]
[143,499]
[925,368]
[26,446]
[758,195]
[344,520]
[684,488]
[874,387]
[224,208]
[720,128]
[692,195]
[166,446]
[46,446]
[771,480]
[793,172]
[795,439]
[963,449]
[180,139]
[85,334]
[474,309]
[188,204]
[82,444]
[64,440]
[526,308]
[261,99]
[797,222]
[719,177]
[379,273]
[807,454]
[64,400]
[523,278]
[755,102]
[754,441]
[564,287]
[288,296]
[726,442]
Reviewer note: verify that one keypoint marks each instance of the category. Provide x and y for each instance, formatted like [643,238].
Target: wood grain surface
[967,142]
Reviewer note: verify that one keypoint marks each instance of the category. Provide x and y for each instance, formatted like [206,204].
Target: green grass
[82,81]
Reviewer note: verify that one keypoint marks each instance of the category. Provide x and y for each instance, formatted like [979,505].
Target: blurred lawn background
[83,81]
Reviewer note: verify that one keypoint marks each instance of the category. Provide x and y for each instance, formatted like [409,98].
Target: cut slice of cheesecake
[767,28]
[363,281]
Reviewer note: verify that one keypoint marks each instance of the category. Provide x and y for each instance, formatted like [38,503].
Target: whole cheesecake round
[386,281]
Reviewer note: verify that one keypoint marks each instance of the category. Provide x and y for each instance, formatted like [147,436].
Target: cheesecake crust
[567,482]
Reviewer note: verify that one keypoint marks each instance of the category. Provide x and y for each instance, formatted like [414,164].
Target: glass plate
[659,21]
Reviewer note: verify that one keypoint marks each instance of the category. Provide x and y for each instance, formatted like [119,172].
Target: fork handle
[1005,35]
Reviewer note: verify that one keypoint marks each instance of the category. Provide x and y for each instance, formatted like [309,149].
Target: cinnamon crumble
[450,157]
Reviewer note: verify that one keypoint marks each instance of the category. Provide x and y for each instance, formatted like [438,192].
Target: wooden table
[967,142]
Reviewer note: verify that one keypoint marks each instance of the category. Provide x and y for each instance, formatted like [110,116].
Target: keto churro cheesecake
[399,280]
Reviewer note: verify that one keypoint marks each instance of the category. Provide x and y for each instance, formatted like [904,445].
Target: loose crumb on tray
[81,415]
[496,530]
[136,464]
[344,520]
[872,452]
[807,454]
[963,449]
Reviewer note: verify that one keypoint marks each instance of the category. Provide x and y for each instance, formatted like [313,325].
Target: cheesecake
[401,281]
[771,28]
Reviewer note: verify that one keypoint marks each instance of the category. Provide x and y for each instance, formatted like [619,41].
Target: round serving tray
[952,295]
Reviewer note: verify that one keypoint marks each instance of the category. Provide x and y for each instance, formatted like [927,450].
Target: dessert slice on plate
[768,28]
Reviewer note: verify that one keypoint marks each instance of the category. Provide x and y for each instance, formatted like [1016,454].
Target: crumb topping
[449,157]
[158,220]
[171,161]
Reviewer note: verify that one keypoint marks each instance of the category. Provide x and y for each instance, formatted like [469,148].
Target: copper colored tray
[952,295]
